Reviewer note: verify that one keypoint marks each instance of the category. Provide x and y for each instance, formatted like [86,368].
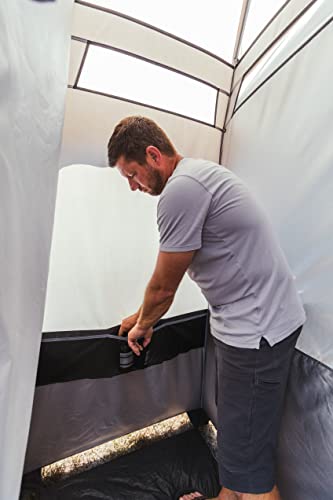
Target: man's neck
[170,166]
[174,162]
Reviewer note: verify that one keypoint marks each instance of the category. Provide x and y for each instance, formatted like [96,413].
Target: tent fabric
[89,399]
[67,356]
[163,470]
[306,442]
[209,378]
[31,118]
[307,26]
[217,35]
[99,244]
[290,12]
[87,144]
[258,15]
[88,412]
[114,31]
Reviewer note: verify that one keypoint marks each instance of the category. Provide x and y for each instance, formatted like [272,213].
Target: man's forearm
[156,303]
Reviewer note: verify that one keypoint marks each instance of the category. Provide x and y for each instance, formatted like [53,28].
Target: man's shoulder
[184,188]
[197,166]
[194,165]
[186,177]
[190,171]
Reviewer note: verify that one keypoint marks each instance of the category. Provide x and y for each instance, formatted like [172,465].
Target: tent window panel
[259,15]
[211,25]
[251,78]
[282,49]
[128,77]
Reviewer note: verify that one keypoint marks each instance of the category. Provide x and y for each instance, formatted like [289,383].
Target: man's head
[142,153]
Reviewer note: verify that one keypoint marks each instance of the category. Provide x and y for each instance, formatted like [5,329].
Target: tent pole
[241,26]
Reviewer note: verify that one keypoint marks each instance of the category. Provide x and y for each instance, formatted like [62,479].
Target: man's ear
[154,153]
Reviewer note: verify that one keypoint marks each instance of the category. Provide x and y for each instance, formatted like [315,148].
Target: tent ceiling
[185,63]
[211,25]
[114,31]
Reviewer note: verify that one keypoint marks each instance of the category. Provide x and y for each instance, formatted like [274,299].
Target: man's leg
[250,405]
[251,393]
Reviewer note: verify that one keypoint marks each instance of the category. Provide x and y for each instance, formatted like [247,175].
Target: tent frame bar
[83,60]
[241,27]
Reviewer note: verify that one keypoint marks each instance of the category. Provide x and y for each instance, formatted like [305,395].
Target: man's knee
[234,495]
[229,495]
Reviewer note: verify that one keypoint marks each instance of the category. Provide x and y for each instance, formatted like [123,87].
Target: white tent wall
[34,42]
[87,144]
[104,247]
[279,142]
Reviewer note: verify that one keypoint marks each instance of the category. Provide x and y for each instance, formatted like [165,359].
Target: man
[211,227]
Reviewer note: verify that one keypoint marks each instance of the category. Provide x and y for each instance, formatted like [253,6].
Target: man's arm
[169,271]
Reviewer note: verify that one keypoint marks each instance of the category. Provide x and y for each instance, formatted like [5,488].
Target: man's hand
[128,323]
[169,270]
[137,333]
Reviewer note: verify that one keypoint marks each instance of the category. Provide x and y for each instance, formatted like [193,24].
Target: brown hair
[131,137]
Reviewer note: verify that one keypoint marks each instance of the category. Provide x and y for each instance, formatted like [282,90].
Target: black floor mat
[161,471]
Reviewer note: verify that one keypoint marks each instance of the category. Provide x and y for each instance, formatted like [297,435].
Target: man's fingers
[136,348]
[125,327]
[146,342]
[122,330]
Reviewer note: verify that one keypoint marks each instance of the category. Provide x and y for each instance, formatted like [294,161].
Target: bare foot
[193,496]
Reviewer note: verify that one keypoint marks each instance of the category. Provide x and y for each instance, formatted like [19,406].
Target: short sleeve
[181,213]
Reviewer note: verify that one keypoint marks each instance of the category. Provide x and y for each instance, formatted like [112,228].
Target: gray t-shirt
[238,263]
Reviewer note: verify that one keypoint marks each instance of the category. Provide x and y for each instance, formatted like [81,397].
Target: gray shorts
[250,396]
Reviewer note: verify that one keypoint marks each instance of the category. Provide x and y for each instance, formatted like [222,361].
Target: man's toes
[191,496]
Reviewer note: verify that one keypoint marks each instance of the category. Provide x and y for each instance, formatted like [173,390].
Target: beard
[156,183]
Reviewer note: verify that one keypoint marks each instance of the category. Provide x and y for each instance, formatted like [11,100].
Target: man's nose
[133,185]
